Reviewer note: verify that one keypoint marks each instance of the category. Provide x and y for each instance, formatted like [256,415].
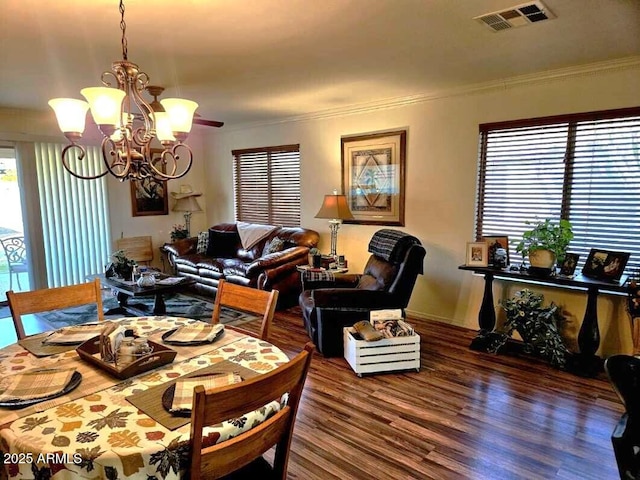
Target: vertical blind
[267,185]
[75,217]
[584,168]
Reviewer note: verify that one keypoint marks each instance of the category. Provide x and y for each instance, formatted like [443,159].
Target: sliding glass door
[14,270]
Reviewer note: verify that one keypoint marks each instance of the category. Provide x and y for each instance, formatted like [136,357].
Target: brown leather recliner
[387,282]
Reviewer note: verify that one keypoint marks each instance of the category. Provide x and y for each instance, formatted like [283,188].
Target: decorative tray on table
[159,355]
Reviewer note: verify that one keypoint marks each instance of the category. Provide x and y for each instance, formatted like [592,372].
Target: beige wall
[442,151]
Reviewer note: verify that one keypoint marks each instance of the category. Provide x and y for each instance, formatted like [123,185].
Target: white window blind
[75,217]
[267,185]
[584,168]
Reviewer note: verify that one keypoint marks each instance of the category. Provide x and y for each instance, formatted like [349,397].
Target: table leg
[121,309]
[486,317]
[159,307]
[587,363]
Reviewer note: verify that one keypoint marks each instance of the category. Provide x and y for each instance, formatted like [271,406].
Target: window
[584,168]
[267,185]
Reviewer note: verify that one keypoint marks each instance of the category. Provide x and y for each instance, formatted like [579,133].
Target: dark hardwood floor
[465,415]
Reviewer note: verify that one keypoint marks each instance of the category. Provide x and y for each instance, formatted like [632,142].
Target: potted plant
[537,325]
[121,265]
[546,243]
[179,232]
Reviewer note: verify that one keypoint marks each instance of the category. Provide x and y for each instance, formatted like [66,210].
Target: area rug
[178,305]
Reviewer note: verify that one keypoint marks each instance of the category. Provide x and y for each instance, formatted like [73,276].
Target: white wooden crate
[388,354]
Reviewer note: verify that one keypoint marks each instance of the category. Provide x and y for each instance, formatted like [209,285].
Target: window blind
[584,168]
[267,185]
[75,216]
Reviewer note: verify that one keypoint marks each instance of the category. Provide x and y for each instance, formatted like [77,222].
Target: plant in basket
[179,232]
[121,266]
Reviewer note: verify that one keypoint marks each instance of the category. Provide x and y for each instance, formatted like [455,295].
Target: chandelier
[128,124]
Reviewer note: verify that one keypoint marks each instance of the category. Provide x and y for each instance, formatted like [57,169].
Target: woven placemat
[150,400]
[35,346]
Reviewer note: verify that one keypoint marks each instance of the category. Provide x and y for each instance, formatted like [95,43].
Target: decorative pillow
[203,242]
[222,244]
[272,246]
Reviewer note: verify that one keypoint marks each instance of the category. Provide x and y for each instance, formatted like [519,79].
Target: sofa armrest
[341,298]
[276,259]
[181,247]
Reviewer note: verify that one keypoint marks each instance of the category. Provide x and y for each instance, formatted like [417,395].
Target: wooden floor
[465,415]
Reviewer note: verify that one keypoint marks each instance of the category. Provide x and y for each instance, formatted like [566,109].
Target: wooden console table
[585,363]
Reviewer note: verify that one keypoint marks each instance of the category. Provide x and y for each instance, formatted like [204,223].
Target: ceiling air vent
[519,16]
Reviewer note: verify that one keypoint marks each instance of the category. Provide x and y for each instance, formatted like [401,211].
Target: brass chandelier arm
[67,152]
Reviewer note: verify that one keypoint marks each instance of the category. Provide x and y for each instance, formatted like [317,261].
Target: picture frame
[494,242]
[477,254]
[149,196]
[373,177]
[569,264]
[605,265]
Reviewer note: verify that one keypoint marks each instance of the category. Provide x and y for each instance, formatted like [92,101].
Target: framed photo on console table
[477,254]
[605,264]
[495,242]
[373,177]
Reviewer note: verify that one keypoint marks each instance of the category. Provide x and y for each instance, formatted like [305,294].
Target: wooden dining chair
[246,299]
[241,456]
[46,299]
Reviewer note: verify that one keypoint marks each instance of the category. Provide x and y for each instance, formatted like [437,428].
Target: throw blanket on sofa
[391,245]
[252,233]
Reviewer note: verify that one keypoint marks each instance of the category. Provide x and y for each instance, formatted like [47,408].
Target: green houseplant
[546,242]
[538,326]
[121,265]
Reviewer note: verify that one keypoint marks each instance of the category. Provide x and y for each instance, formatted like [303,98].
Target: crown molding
[511,82]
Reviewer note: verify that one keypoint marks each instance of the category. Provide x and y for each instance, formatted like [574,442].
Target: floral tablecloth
[102,436]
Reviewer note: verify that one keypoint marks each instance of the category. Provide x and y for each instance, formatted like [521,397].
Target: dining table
[112,428]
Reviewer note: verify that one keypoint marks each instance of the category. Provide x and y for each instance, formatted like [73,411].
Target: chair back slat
[46,299]
[216,405]
[246,299]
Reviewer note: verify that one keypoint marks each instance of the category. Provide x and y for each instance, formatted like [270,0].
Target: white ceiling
[260,60]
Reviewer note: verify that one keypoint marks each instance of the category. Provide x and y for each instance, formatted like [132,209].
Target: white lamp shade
[71,114]
[105,103]
[180,113]
[164,131]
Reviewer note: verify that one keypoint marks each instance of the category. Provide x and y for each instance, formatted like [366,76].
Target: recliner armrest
[342,298]
[276,259]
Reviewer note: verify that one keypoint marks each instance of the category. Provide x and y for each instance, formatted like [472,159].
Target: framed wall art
[477,254]
[373,169]
[605,264]
[149,196]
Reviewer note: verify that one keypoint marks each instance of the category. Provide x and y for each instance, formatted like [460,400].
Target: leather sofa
[386,283]
[254,267]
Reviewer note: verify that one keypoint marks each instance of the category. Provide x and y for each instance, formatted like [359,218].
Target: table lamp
[335,208]
[186,202]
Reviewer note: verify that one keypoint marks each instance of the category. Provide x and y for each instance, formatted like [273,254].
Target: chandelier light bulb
[70,113]
[105,104]
[164,131]
[180,112]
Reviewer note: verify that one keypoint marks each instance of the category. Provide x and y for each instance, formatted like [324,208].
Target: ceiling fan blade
[208,123]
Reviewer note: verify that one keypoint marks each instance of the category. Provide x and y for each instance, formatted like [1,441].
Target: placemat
[150,400]
[35,346]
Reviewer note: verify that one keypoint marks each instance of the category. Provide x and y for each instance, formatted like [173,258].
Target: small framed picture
[569,264]
[605,264]
[495,242]
[477,254]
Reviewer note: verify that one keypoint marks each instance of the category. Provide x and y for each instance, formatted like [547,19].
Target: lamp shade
[335,206]
[180,113]
[187,204]
[105,103]
[70,113]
